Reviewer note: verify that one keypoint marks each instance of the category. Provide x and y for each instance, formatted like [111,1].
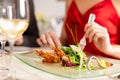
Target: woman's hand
[99,36]
[49,39]
[19,41]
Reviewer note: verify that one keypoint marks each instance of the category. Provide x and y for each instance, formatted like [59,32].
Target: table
[25,72]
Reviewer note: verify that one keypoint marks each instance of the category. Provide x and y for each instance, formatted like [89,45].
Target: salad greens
[76,56]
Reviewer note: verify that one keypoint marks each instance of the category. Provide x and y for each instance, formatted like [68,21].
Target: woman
[103,35]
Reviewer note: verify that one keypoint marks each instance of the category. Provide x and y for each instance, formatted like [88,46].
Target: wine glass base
[10,78]
[4,70]
[6,74]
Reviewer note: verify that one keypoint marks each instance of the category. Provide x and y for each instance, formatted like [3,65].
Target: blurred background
[49,15]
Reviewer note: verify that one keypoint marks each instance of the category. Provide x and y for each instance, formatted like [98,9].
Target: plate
[20,49]
[56,69]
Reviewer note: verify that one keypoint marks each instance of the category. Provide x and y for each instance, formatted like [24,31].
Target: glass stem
[3,42]
[11,44]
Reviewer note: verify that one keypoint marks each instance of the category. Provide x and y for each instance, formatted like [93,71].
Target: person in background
[31,34]
[102,35]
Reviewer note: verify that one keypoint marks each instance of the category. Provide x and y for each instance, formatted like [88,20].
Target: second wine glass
[14,20]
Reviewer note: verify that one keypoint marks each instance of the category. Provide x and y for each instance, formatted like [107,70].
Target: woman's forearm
[115,52]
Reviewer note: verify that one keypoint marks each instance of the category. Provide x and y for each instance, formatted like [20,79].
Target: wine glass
[14,20]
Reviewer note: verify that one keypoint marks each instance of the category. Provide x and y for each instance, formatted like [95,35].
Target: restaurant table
[26,72]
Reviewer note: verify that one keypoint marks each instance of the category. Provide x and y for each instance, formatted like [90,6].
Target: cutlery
[83,40]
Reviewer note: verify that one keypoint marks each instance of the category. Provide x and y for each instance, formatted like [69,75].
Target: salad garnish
[72,56]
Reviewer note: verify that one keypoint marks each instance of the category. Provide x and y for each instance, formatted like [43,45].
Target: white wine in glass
[14,20]
[15,29]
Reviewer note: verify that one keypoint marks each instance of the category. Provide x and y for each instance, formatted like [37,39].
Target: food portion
[72,56]
[48,57]
[76,57]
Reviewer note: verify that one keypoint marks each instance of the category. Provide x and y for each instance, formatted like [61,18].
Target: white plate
[21,49]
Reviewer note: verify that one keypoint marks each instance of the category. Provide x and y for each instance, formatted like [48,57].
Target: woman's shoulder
[116,4]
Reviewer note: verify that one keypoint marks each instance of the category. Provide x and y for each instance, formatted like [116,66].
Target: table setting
[46,63]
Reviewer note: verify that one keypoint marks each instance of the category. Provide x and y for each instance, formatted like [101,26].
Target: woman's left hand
[99,36]
[19,41]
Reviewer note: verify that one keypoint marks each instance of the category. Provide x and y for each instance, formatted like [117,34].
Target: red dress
[106,16]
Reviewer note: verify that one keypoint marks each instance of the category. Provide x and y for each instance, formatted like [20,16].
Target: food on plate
[77,58]
[48,57]
[72,56]
[53,56]
[94,63]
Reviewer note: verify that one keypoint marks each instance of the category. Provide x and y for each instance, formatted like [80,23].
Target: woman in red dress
[102,35]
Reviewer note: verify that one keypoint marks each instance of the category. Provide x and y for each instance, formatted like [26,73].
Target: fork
[83,40]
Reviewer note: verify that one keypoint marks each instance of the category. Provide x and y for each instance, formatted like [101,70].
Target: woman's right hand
[49,39]
[99,36]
